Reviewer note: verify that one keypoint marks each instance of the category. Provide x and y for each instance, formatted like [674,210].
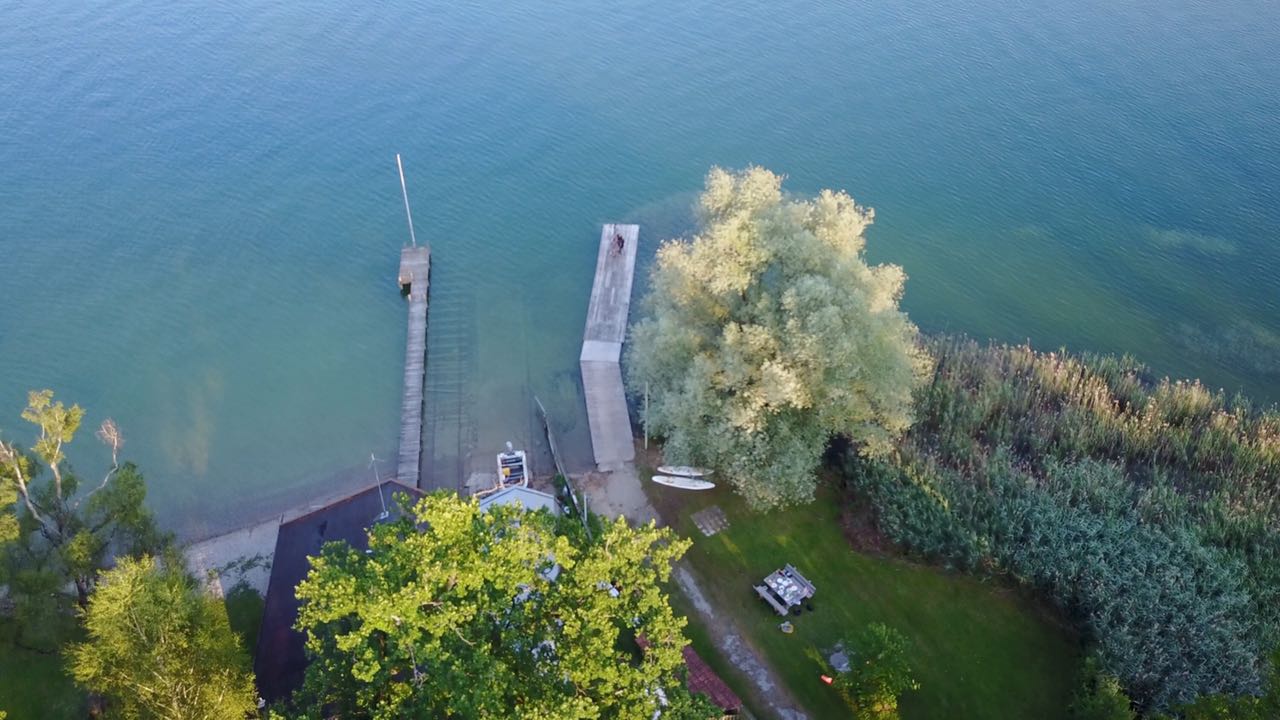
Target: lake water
[200,216]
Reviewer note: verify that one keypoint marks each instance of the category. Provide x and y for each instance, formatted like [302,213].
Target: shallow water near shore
[200,216]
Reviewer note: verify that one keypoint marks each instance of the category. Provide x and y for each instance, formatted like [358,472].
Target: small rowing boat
[513,467]
[683,483]
[683,471]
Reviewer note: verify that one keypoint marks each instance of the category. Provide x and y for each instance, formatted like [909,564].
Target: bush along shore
[1146,510]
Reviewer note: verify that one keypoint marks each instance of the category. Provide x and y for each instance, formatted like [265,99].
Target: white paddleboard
[682,471]
[684,483]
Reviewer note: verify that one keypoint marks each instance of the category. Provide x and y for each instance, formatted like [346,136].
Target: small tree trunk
[82,592]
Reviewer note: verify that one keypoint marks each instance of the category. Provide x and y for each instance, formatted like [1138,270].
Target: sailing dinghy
[683,483]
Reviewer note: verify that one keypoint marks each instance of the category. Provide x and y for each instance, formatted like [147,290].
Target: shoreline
[244,552]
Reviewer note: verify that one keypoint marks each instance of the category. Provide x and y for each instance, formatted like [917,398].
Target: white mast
[404,191]
[373,463]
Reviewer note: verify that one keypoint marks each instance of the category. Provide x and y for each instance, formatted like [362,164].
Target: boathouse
[280,660]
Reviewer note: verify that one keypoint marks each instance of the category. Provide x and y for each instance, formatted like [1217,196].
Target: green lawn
[33,685]
[979,651]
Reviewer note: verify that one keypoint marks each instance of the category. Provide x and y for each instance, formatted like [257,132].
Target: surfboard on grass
[683,483]
[683,471]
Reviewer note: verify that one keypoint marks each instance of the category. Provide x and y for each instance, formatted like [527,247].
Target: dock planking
[415,271]
[606,329]
[611,292]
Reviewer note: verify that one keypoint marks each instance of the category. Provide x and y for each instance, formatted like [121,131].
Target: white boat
[683,471]
[683,483]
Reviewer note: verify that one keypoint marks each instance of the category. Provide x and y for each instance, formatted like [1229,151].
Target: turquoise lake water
[200,216]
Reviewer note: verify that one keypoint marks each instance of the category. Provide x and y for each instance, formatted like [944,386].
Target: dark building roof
[280,658]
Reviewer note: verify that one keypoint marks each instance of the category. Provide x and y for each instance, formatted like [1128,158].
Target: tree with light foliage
[458,612]
[160,647]
[768,334]
[66,532]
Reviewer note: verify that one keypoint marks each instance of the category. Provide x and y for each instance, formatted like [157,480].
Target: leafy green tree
[65,534]
[456,612]
[768,333]
[878,673]
[1099,696]
[159,647]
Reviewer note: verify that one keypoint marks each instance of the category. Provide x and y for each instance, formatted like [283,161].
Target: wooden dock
[611,438]
[415,271]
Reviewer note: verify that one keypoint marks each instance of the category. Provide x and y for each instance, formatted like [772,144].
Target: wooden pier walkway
[611,439]
[415,271]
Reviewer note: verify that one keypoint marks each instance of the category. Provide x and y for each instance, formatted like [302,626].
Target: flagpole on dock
[646,415]
[405,192]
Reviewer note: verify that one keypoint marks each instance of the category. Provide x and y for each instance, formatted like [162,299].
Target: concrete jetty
[415,270]
[606,329]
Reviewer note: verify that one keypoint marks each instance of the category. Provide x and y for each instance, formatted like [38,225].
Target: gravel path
[730,642]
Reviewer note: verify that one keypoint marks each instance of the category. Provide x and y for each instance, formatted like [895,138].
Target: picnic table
[785,589]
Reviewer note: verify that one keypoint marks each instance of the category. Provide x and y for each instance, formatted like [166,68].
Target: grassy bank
[35,685]
[979,651]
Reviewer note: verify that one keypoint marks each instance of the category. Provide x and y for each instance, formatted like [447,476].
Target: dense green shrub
[878,674]
[1099,696]
[1147,510]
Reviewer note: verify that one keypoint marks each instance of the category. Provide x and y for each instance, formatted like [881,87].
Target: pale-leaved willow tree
[767,334]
